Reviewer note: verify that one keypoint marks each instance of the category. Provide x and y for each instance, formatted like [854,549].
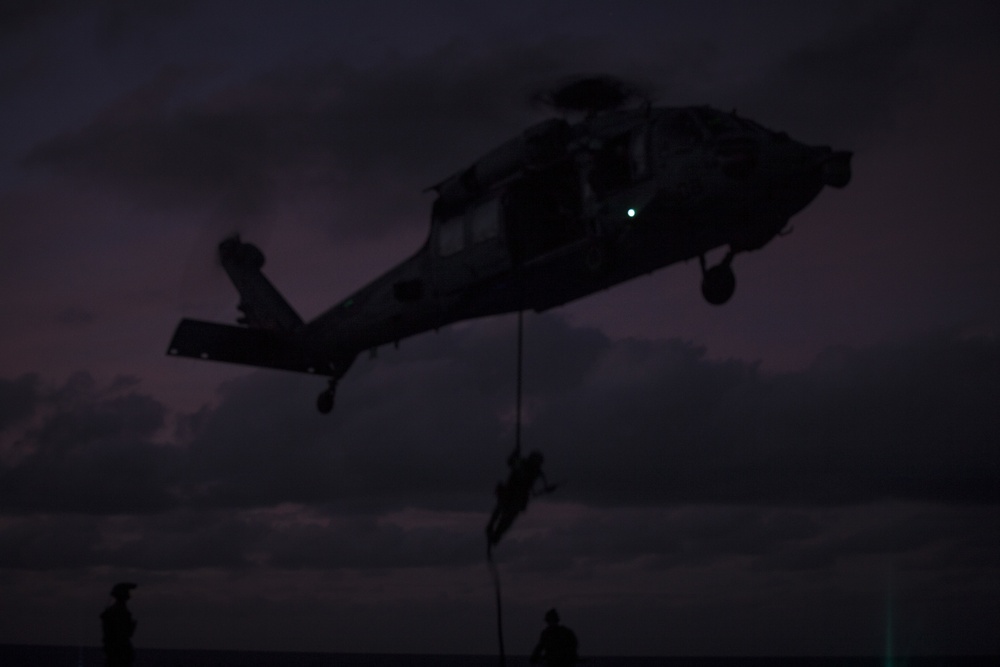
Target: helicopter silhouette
[556,213]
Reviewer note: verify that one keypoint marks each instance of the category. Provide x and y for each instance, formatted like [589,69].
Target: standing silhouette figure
[117,628]
[557,645]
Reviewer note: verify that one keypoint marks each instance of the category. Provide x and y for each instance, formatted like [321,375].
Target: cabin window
[676,133]
[484,223]
[612,167]
[451,236]
[716,121]
[684,131]
[638,153]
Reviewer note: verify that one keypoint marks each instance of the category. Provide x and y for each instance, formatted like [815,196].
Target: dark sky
[810,469]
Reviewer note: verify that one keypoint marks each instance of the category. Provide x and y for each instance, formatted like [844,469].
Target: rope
[494,571]
[520,372]
[496,587]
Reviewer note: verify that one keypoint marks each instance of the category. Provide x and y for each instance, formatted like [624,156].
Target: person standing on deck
[557,645]
[117,628]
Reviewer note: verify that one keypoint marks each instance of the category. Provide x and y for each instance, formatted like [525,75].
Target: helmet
[121,590]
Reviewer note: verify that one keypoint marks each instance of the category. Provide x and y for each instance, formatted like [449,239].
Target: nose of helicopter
[836,167]
[795,173]
[818,165]
[785,160]
[738,156]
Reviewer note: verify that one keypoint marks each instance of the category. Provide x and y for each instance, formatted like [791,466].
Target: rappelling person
[513,496]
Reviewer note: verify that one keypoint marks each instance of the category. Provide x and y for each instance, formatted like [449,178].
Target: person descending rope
[513,496]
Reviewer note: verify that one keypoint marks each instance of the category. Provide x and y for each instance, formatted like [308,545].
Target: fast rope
[496,587]
[520,354]
[517,452]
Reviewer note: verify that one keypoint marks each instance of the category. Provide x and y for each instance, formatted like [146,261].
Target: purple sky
[806,470]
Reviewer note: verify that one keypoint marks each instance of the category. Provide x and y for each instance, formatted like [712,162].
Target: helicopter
[560,211]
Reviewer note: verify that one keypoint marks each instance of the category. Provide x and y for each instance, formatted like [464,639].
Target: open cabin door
[542,212]
[469,247]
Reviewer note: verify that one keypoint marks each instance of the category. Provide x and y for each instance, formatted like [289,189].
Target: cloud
[377,543]
[622,423]
[360,144]
[117,21]
[349,148]
[692,489]
[732,563]
[854,86]
[896,421]
[572,540]
[846,89]
[19,15]
[18,399]
[48,542]
[86,449]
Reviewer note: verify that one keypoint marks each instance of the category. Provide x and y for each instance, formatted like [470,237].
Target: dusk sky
[812,468]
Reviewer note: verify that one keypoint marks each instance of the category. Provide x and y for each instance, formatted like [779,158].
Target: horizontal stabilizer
[238,345]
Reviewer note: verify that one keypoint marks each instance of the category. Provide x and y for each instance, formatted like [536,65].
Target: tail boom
[262,305]
[197,339]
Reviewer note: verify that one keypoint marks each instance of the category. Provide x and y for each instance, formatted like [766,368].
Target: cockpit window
[451,236]
[684,129]
[715,121]
[755,126]
[477,224]
[484,222]
[676,131]
[638,153]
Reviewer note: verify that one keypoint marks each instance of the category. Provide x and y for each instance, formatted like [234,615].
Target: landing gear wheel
[718,284]
[324,402]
